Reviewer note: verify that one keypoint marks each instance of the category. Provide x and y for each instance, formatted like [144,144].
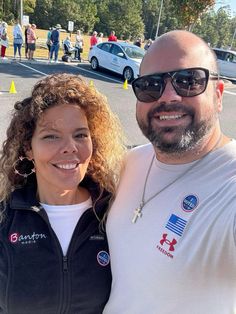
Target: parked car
[226,61]
[120,57]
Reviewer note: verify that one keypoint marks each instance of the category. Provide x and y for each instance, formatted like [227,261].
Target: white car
[226,60]
[120,57]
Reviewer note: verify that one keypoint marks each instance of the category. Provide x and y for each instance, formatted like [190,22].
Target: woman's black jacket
[35,277]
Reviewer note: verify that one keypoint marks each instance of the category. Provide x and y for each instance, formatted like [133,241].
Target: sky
[231,3]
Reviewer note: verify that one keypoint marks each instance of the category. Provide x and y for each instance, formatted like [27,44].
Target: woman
[79,43]
[26,41]
[48,41]
[100,38]
[4,40]
[17,39]
[148,44]
[59,169]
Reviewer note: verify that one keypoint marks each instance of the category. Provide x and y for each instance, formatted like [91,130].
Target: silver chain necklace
[138,212]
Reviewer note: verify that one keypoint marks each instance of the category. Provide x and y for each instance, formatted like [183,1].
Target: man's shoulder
[140,153]
[229,150]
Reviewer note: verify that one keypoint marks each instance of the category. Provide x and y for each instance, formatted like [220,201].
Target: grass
[41,48]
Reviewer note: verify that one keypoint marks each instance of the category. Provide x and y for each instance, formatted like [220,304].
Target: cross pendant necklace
[138,212]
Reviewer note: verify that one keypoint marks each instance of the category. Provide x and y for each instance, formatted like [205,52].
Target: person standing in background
[79,43]
[26,41]
[17,39]
[55,38]
[49,42]
[112,36]
[4,40]
[138,42]
[148,44]
[93,39]
[31,40]
[100,38]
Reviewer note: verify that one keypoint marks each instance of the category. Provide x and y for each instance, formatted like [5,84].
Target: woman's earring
[24,163]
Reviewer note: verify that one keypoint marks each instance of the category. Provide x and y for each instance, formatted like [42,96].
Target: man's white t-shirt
[180,256]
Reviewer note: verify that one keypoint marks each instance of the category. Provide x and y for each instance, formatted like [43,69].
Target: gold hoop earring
[20,162]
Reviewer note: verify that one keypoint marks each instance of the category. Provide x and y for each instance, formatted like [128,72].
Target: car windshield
[134,52]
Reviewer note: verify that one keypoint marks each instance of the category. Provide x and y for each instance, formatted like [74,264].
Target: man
[172,226]
[112,36]
[55,39]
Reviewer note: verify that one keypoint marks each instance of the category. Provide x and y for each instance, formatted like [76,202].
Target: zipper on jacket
[65,263]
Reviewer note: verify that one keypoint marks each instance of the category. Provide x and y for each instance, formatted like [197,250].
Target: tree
[41,15]
[122,17]
[86,15]
[150,13]
[189,11]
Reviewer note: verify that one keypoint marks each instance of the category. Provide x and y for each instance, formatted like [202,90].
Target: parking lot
[122,101]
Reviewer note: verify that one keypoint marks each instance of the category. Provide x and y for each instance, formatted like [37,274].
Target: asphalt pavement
[122,101]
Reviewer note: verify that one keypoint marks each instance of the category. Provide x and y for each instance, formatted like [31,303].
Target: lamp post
[233,39]
[159,18]
[21,12]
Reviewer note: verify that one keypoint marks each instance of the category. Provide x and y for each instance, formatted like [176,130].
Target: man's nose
[169,94]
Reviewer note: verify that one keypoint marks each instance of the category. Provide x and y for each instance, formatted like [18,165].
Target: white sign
[25,20]
[70,26]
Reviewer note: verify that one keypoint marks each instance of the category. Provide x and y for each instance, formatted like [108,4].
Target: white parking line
[75,66]
[24,65]
[96,73]
[231,93]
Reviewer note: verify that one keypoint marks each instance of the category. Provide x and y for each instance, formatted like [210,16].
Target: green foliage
[189,11]
[129,18]
[122,16]
[217,28]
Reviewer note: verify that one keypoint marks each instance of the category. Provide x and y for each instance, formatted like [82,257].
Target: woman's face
[61,148]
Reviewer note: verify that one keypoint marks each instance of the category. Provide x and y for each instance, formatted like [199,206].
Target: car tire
[94,63]
[128,74]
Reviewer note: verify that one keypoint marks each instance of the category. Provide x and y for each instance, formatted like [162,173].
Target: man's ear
[219,94]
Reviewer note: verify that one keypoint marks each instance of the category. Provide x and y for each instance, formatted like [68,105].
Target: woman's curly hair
[106,133]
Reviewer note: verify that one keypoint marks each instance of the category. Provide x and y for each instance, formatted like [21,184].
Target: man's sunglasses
[186,82]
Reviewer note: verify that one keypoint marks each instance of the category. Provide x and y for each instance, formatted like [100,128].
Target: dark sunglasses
[186,82]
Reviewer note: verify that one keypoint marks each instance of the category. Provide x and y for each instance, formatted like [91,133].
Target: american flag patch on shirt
[176,224]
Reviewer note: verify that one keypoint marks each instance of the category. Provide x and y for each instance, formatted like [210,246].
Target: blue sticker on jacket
[103,258]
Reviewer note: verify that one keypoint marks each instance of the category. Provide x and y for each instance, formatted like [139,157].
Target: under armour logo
[170,243]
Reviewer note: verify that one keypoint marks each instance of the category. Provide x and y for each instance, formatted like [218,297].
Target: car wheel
[94,63]
[128,74]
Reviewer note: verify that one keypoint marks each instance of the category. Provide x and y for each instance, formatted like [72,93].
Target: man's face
[175,124]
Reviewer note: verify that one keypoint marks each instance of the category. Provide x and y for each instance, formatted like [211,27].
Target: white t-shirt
[64,218]
[180,256]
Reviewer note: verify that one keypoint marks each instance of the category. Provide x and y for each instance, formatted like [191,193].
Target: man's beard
[186,138]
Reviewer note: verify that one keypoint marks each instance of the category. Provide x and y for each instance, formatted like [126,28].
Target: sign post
[25,20]
[70,27]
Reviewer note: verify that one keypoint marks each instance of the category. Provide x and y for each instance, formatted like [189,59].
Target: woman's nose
[69,146]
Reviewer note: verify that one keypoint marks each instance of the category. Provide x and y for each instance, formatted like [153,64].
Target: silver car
[226,60]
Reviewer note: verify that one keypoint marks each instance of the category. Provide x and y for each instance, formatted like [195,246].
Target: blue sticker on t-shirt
[190,202]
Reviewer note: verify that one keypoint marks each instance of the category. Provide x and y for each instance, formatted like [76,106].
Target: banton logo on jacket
[17,238]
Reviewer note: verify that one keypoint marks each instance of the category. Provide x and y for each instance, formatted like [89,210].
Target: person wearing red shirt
[112,36]
[93,39]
